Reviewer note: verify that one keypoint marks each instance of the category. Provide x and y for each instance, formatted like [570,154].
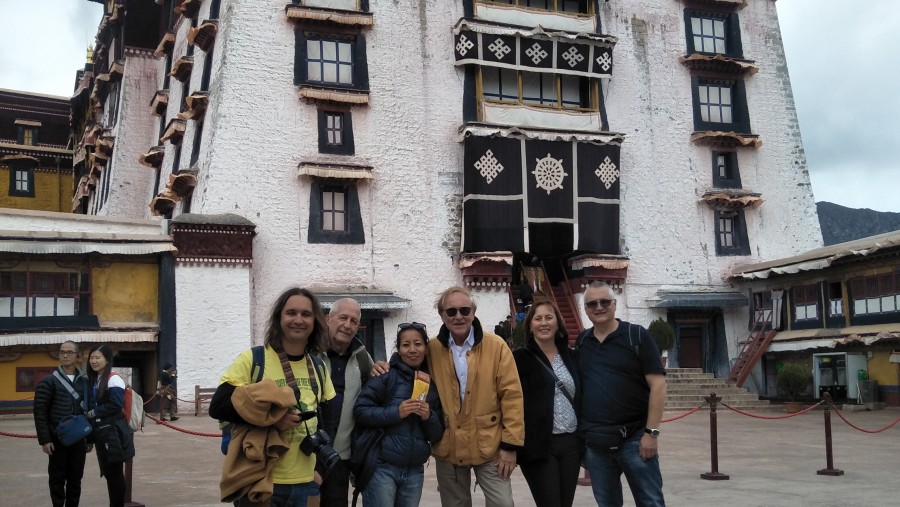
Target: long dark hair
[561,339]
[108,354]
[274,334]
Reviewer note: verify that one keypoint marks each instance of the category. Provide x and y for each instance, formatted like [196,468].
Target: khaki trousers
[455,483]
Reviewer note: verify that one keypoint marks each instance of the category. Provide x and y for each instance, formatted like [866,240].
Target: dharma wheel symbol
[549,173]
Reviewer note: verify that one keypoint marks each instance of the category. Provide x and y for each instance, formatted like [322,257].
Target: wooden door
[690,346]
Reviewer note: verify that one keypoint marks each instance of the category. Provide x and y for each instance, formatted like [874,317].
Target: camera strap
[292,381]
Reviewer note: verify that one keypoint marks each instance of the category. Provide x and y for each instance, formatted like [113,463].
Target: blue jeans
[394,486]
[293,495]
[644,477]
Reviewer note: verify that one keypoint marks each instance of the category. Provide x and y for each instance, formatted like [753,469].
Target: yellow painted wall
[52,192]
[882,369]
[126,292]
[8,374]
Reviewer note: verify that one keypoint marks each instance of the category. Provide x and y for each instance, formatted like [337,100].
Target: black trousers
[336,486]
[115,481]
[553,480]
[66,467]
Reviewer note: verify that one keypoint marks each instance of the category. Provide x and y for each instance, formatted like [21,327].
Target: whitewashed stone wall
[49,221]
[212,324]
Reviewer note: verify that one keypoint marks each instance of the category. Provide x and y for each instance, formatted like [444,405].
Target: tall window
[336,132]
[21,181]
[715,103]
[329,61]
[725,170]
[28,136]
[537,88]
[334,209]
[334,129]
[762,306]
[709,34]
[835,300]
[731,233]
[726,230]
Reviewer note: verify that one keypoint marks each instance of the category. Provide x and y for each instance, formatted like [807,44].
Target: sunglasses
[593,305]
[465,311]
[411,325]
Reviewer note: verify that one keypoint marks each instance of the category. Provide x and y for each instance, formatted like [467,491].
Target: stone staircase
[687,388]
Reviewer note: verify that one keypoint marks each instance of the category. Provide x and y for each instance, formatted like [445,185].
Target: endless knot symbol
[464,45]
[605,61]
[536,53]
[572,57]
[488,166]
[499,48]
[607,172]
[549,173]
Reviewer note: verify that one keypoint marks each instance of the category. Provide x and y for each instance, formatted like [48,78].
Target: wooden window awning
[188,8]
[720,64]
[105,144]
[332,95]
[719,139]
[731,199]
[727,4]
[196,106]
[91,134]
[153,157]
[324,15]
[204,36]
[335,171]
[116,70]
[160,102]
[19,158]
[174,131]
[183,183]
[98,158]
[163,203]
[181,69]
[165,45]
[28,123]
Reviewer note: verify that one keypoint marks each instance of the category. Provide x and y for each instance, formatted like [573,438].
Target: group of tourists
[98,396]
[299,407]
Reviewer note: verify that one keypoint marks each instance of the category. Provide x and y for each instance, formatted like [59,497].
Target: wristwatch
[653,432]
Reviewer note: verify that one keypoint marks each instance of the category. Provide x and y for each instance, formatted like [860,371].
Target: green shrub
[793,380]
[662,334]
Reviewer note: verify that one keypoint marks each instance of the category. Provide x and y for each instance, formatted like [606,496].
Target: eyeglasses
[66,353]
[465,311]
[411,325]
[593,305]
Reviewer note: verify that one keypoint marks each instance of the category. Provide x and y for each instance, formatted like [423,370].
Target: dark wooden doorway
[690,345]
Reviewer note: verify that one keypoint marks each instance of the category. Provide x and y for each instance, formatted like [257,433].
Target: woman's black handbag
[72,429]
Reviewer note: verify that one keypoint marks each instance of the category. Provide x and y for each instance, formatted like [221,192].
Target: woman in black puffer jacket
[411,423]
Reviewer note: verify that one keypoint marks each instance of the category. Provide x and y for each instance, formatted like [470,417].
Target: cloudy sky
[842,55]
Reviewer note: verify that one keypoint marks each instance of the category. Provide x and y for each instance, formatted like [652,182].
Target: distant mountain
[840,224]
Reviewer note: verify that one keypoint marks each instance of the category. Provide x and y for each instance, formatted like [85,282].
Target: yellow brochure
[420,386]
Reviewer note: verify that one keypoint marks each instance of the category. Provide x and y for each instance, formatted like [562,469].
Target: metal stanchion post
[714,475]
[128,502]
[829,456]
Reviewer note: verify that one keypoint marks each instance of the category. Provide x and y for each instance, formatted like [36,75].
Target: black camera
[319,443]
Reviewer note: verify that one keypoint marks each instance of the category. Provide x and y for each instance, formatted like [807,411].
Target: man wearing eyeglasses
[52,402]
[622,403]
[349,365]
[479,389]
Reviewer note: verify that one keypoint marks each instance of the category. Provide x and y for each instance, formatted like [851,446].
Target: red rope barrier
[189,432]
[748,414]
[151,399]
[689,412]
[17,435]
[879,430]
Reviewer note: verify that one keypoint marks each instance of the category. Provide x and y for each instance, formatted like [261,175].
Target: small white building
[387,150]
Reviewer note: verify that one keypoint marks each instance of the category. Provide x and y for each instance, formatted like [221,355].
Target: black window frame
[13,180]
[801,293]
[732,179]
[740,244]
[733,46]
[834,291]
[874,287]
[740,117]
[346,147]
[35,135]
[353,233]
[360,70]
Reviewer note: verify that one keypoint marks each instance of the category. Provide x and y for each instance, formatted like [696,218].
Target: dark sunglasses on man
[593,305]
[465,311]
[411,325]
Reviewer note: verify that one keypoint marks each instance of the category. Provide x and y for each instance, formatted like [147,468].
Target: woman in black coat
[551,456]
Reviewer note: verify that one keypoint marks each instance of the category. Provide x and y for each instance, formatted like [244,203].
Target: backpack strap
[259,363]
[584,334]
[635,345]
[365,366]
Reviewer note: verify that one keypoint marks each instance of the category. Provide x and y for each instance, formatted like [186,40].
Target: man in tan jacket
[480,393]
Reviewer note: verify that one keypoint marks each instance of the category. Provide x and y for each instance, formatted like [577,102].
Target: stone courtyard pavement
[770,463]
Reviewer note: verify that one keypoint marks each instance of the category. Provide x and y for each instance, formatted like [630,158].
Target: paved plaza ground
[770,463]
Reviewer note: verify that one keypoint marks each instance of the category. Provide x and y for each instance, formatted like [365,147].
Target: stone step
[679,377]
[673,408]
[722,393]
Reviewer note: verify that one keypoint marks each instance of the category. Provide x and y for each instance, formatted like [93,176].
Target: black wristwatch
[653,432]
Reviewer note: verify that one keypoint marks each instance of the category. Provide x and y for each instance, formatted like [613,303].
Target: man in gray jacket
[52,402]
[349,365]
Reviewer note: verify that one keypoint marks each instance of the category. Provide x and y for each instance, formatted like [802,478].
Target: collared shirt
[459,353]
